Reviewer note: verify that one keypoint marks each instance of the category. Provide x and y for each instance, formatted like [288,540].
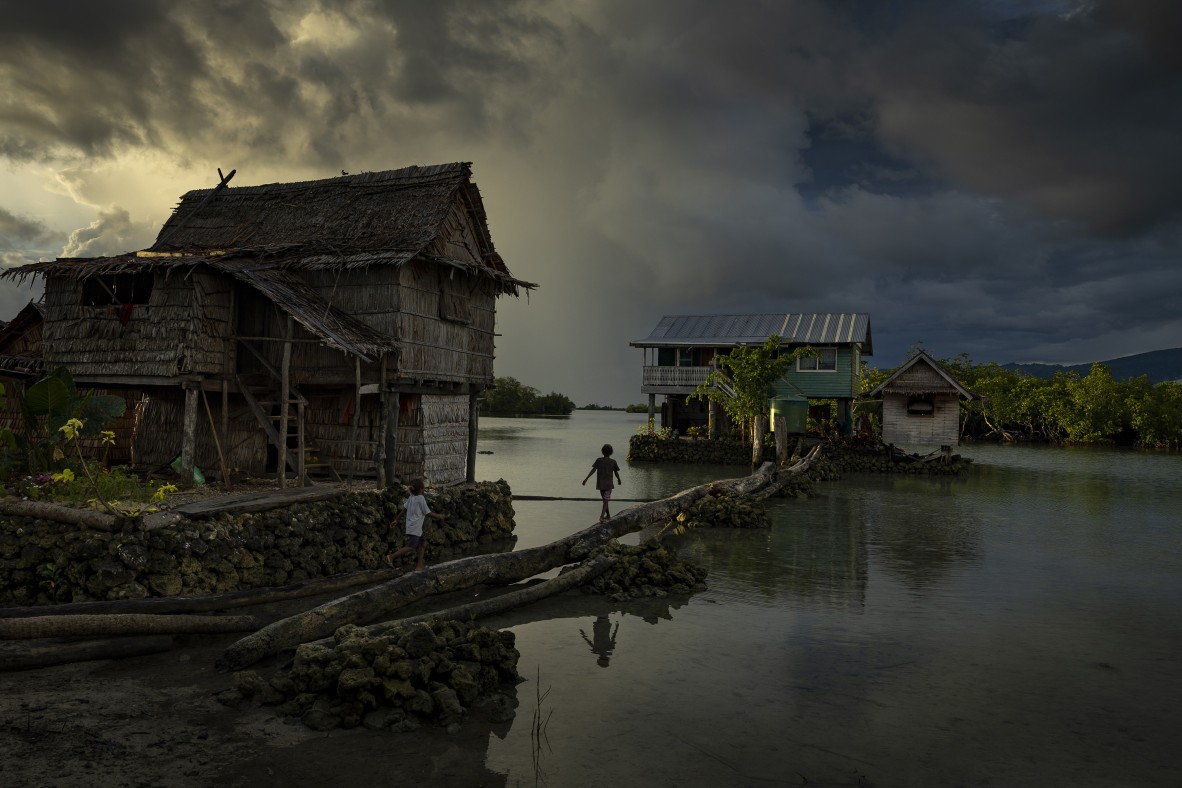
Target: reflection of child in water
[604,639]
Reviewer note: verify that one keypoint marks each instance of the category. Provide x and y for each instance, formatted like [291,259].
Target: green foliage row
[1069,408]
[511,397]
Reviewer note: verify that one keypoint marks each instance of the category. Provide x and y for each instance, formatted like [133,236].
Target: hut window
[666,357]
[826,362]
[105,290]
[921,405]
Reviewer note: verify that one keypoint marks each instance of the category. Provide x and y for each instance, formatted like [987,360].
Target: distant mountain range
[1159,365]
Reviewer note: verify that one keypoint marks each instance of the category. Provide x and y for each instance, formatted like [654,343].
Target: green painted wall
[843,382]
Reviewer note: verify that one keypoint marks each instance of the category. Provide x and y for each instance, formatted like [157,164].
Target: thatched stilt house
[334,327]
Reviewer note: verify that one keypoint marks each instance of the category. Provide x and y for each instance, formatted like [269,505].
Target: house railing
[675,377]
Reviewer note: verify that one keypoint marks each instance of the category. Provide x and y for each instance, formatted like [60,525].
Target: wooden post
[213,430]
[652,410]
[757,440]
[781,429]
[379,454]
[356,417]
[189,439]
[225,409]
[393,400]
[301,461]
[284,394]
[473,423]
[712,418]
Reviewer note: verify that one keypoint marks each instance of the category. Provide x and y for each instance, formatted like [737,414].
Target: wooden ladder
[264,402]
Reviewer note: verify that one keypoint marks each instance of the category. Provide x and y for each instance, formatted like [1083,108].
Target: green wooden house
[681,351]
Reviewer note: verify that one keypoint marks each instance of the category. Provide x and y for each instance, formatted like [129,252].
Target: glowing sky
[998,178]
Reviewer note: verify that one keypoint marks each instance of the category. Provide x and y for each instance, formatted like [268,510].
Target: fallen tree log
[123,624]
[25,655]
[783,478]
[380,602]
[502,602]
[41,510]
[209,602]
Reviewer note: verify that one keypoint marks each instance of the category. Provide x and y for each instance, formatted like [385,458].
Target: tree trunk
[42,654]
[380,602]
[207,603]
[502,602]
[123,624]
[87,518]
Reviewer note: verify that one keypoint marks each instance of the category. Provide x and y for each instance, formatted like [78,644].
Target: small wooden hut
[322,328]
[921,404]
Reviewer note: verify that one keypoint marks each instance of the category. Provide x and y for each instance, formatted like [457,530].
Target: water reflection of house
[680,353]
[343,326]
[921,404]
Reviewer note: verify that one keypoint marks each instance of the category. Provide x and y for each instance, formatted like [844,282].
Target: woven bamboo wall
[161,430]
[333,438]
[445,438]
[445,350]
[368,294]
[409,453]
[180,330]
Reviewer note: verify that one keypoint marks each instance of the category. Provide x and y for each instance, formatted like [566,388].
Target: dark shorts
[605,494]
[415,541]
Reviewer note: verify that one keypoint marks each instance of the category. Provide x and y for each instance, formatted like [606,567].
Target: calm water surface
[1019,626]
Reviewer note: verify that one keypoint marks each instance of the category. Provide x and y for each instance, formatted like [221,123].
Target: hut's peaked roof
[352,221]
[733,330]
[922,374]
[395,210]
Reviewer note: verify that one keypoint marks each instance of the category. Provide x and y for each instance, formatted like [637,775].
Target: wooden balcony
[673,380]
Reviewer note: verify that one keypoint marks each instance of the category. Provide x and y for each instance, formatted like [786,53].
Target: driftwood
[210,602]
[87,518]
[380,602]
[126,624]
[28,654]
[784,477]
[502,602]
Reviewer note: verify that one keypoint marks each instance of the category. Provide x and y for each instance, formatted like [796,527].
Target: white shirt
[416,513]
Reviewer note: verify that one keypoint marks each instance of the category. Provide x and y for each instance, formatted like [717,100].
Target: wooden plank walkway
[256,501]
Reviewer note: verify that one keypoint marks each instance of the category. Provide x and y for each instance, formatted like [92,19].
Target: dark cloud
[22,230]
[997,177]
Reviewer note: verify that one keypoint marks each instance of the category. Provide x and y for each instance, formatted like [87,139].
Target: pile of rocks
[646,447]
[426,672]
[646,570]
[877,460]
[721,511]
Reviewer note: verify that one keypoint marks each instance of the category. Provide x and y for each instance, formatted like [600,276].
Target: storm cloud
[998,178]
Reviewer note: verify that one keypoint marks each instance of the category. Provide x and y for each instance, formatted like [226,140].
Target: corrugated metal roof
[800,328]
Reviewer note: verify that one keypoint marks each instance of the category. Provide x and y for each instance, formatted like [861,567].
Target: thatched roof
[22,361]
[354,221]
[921,375]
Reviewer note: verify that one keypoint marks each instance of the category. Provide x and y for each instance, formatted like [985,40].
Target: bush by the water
[431,671]
[649,569]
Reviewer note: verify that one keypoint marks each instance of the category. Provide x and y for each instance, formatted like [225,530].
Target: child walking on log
[603,468]
[416,511]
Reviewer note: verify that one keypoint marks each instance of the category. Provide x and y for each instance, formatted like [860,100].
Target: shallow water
[1019,625]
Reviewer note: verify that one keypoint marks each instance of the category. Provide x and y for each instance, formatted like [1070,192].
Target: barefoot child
[416,511]
[604,467]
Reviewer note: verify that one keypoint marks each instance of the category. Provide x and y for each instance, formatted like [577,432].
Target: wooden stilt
[189,438]
[473,423]
[284,394]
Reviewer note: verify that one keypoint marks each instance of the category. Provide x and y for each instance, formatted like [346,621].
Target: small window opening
[116,289]
[921,406]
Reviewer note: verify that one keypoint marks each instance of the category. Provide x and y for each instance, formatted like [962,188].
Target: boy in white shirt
[416,511]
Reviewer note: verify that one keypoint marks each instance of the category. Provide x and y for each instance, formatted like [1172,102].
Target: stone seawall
[42,562]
